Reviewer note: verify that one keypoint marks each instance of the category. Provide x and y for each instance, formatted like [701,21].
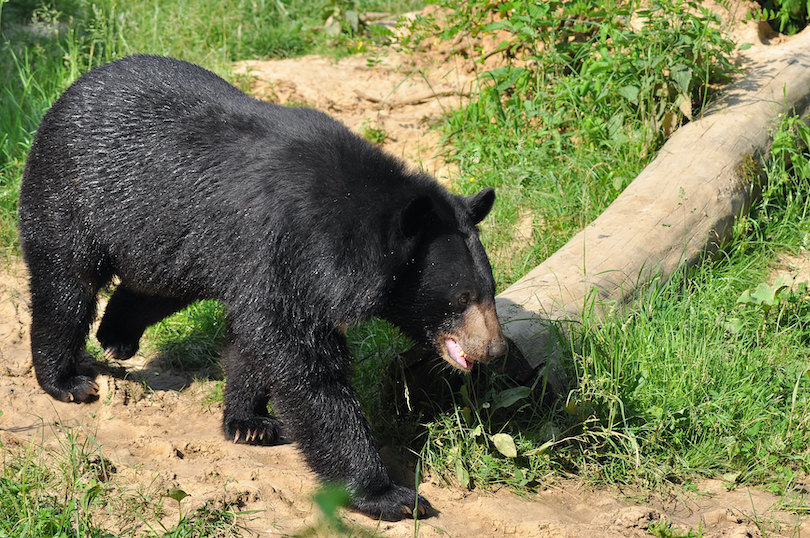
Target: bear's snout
[478,337]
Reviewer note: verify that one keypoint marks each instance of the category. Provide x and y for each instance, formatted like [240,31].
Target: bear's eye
[464,298]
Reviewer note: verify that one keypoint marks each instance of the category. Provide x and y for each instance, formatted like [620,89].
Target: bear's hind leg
[62,310]
[127,316]
[245,418]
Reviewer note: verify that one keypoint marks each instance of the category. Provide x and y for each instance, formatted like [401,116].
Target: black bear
[161,173]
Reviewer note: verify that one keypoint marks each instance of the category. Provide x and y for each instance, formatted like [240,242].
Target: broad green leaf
[509,397]
[682,76]
[505,444]
[784,281]
[177,494]
[498,25]
[745,298]
[630,93]
[764,294]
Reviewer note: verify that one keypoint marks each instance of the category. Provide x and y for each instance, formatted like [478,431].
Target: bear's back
[161,160]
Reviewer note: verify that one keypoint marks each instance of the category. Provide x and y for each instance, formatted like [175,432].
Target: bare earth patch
[159,431]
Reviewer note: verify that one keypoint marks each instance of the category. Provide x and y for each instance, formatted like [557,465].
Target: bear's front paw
[78,389]
[252,431]
[394,504]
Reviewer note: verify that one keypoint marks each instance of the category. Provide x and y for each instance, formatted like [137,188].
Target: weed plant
[587,93]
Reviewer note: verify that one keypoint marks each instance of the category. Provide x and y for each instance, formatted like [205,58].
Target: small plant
[785,297]
[767,296]
[374,133]
[342,17]
[663,529]
[785,16]
[473,445]
[178,495]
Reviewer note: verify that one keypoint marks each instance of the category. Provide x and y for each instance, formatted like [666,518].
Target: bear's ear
[416,216]
[480,204]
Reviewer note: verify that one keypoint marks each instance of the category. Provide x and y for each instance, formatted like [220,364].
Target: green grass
[580,106]
[191,339]
[70,490]
[700,381]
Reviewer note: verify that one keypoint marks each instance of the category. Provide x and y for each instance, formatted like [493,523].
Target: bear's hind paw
[395,504]
[255,431]
[119,352]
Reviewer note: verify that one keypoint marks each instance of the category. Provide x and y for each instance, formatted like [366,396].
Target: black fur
[161,173]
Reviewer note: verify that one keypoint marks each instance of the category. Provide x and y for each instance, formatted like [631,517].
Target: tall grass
[586,94]
[700,381]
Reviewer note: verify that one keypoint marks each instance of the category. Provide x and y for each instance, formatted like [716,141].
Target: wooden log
[679,209]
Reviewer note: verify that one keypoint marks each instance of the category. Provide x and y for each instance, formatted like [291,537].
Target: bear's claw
[119,352]
[250,437]
[78,389]
[257,431]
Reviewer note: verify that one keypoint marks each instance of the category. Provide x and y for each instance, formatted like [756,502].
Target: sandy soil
[159,432]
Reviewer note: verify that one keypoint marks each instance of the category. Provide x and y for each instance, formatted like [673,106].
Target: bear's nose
[496,348]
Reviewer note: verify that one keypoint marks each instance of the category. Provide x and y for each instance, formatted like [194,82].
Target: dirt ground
[158,431]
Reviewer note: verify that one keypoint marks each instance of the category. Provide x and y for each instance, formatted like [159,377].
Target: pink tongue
[456,353]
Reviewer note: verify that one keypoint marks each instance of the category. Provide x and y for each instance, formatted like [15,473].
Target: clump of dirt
[161,432]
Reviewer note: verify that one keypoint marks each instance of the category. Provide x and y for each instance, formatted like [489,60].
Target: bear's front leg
[310,392]
[62,307]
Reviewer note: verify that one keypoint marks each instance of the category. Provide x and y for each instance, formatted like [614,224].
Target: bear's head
[445,296]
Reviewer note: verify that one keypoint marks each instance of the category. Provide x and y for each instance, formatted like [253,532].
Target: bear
[161,175]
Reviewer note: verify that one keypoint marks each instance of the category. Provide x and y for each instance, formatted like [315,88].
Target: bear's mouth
[457,354]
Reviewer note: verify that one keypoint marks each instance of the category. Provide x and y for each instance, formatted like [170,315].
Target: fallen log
[678,210]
